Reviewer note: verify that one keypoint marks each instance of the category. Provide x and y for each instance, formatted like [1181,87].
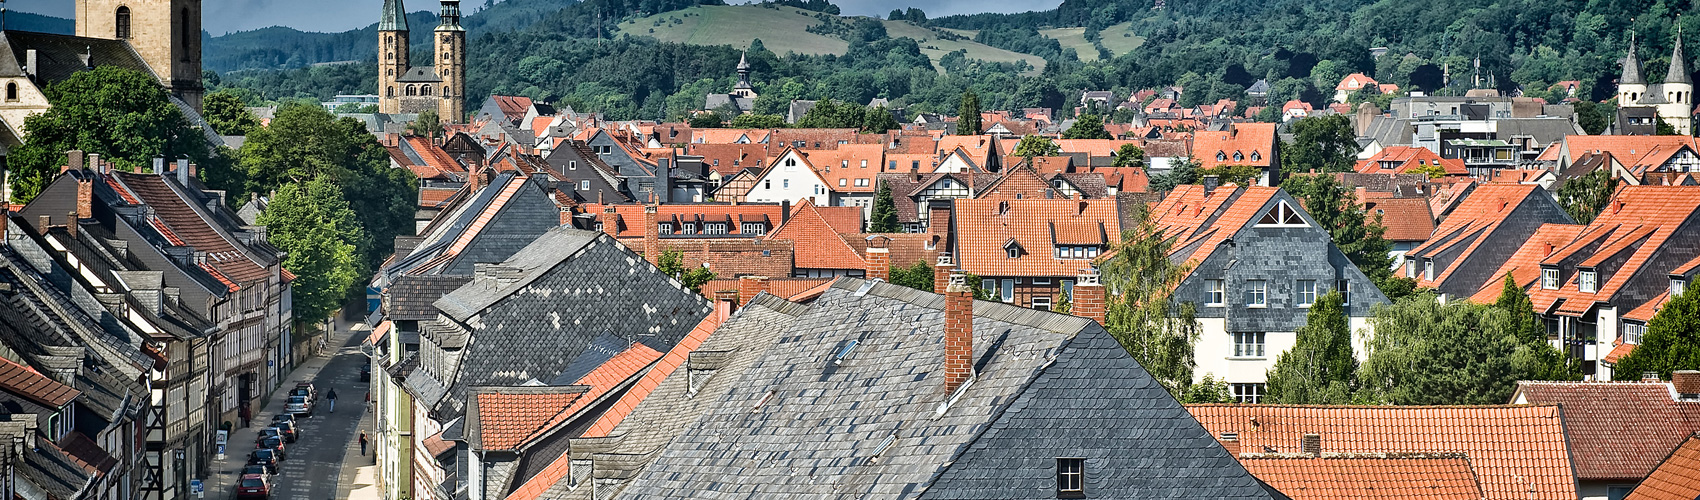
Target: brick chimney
[958,332]
[1088,299]
[1231,442]
[651,238]
[85,198]
[879,258]
[610,221]
[1311,445]
[751,286]
[5,219]
[1686,383]
[74,159]
[941,273]
[725,303]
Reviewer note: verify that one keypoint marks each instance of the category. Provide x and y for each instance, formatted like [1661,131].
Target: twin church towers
[407,89]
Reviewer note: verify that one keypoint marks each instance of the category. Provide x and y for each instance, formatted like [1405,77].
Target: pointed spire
[1678,68]
[744,62]
[1631,66]
[394,17]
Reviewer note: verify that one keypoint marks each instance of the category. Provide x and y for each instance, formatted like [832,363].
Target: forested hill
[24,21]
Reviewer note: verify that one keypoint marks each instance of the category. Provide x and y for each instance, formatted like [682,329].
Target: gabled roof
[1473,223]
[1390,476]
[1674,479]
[32,385]
[1524,266]
[630,217]
[1406,219]
[979,148]
[819,244]
[514,108]
[1616,430]
[1101,148]
[506,416]
[1200,221]
[843,168]
[473,223]
[1039,226]
[729,159]
[1254,142]
[1517,452]
[225,256]
[1636,226]
[60,56]
[1405,158]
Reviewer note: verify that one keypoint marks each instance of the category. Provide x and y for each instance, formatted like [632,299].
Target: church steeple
[394,17]
[1678,69]
[1631,66]
[743,71]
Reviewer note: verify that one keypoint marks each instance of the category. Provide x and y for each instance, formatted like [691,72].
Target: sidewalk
[223,473]
[359,479]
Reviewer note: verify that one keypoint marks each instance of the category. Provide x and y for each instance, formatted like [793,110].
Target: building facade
[166,33]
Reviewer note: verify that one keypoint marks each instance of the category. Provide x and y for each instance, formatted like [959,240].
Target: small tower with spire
[392,55]
[451,63]
[1678,108]
[743,88]
[1630,85]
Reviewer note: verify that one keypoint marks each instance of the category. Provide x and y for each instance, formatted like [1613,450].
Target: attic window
[584,185]
[1255,156]
[1071,478]
[664,227]
[1282,215]
[1220,156]
[1677,285]
[1239,156]
[1587,281]
[838,359]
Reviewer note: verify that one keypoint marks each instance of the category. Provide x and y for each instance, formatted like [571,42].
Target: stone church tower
[166,33]
[406,89]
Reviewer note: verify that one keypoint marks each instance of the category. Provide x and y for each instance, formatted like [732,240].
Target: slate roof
[1203,220]
[411,296]
[55,471]
[1517,452]
[1617,430]
[1494,217]
[810,427]
[60,56]
[1677,478]
[541,309]
[1524,265]
[1038,227]
[1634,231]
[1441,476]
[488,226]
[237,263]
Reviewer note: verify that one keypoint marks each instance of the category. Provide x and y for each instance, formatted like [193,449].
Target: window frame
[1006,290]
[1300,293]
[1071,477]
[716,228]
[1248,393]
[1258,289]
[752,228]
[1039,300]
[1345,289]
[1251,345]
[1215,293]
[1678,286]
[1549,279]
[1587,282]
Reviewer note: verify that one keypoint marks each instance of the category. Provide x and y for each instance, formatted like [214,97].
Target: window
[843,182]
[1411,268]
[584,185]
[1428,269]
[1345,288]
[1247,393]
[754,228]
[989,285]
[767,184]
[864,163]
[412,91]
[1006,290]
[1549,279]
[1042,303]
[1677,285]
[123,23]
[1586,281]
[1071,478]
[1213,293]
[786,183]
[390,92]
[664,227]
[1012,252]
[1618,492]
[716,228]
[11,91]
[861,183]
[1041,281]
[1256,293]
[1306,292]
[1632,332]
[690,228]
[1248,344]
[1282,215]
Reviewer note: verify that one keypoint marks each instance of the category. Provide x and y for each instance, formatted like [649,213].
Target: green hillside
[785,29]
[1119,39]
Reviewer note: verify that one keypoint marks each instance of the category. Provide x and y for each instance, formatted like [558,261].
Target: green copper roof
[394,18]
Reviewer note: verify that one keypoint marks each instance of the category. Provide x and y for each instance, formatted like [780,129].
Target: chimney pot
[1312,445]
[85,200]
[73,158]
[1088,299]
[958,332]
[941,273]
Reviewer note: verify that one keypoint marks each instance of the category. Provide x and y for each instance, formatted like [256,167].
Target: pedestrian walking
[362,443]
[246,414]
[332,397]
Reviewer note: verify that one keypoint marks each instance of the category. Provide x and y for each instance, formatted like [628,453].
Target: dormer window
[1587,281]
[1012,249]
[1428,269]
[1677,285]
[752,228]
[714,228]
[1255,156]
[690,228]
[1071,478]
[664,228]
[1549,279]
[1238,156]
[1221,156]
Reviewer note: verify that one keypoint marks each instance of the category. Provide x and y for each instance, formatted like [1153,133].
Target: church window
[123,23]
[389,72]
[11,91]
[391,92]
[445,91]
[412,91]
[390,56]
[426,91]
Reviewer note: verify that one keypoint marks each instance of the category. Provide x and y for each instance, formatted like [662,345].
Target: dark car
[264,457]
[290,432]
[255,469]
[254,486]
[266,433]
[276,445]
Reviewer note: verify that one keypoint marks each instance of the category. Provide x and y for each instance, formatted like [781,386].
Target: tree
[1208,390]
[1239,175]
[1321,144]
[1535,356]
[918,276]
[227,114]
[1592,116]
[895,15]
[1145,317]
[122,115]
[1320,368]
[1088,126]
[1584,197]
[1672,341]
[1036,145]
[426,125]
[878,121]
[758,121]
[313,223]
[1336,209]
[1663,127]
[968,114]
[1129,155]
[706,119]
[1422,352]
[1185,172]
[355,108]
[1429,169]
[831,113]
[672,263]
[885,211]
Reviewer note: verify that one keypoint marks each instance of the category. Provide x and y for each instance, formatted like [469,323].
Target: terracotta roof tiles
[1524,265]
[986,226]
[1617,430]
[1635,226]
[187,223]
[32,385]
[1472,223]
[1378,476]
[818,244]
[506,420]
[1677,478]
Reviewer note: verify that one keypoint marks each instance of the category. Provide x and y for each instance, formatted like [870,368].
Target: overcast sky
[223,16]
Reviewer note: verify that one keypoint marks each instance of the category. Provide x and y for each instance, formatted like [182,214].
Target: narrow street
[324,459]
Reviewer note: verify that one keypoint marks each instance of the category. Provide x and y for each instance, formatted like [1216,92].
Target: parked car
[299,405]
[276,445]
[267,433]
[291,433]
[254,486]
[255,469]
[283,417]
[305,389]
[264,457]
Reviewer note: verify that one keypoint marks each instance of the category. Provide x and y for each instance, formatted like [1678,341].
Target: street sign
[198,489]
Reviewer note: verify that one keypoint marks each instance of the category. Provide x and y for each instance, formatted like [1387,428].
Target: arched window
[412,91]
[11,91]
[123,23]
[426,91]
[390,56]
[391,92]
[389,72]
[445,91]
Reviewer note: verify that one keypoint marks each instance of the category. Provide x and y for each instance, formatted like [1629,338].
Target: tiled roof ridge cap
[1359,455]
[1384,407]
[982,309]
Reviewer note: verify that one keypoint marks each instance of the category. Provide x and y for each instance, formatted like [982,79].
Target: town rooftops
[989,230]
[193,224]
[57,57]
[1517,452]
[1496,217]
[1635,227]
[1250,144]
[1524,266]
[1403,159]
[1675,477]
[32,385]
[1386,476]
[1202,219]
[1617,430]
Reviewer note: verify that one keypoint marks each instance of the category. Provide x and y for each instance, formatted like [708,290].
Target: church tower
[743,87]
[166,33]
[451,63]
[1630,86]
[1678,109]
[392,55]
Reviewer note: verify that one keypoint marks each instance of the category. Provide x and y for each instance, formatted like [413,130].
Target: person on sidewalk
[332,397]
[362,443]
[246,414]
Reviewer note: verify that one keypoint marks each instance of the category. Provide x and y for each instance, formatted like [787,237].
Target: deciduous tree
[1320,144]
[1672,341]
[918,276]
[1129,155]
[1036,145]
[1422,352]
[312,222]
[1088,126]
[1585,196]
[1156,329]
[227,114]
[1320,368]
[672,263]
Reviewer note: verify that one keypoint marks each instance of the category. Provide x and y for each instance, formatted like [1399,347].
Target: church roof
[1631,66]
[424,74]
[1678,68]
[60,56]
[394,17]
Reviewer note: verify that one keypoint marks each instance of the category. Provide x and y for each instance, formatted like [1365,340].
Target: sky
[223,16]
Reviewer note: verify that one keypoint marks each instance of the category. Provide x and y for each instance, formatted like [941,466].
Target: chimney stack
[94,161]
[74,159]
[85,199]
[183,172]
[5,219]
[610,221]
[879,258]
[725,303]
[958,332]
[1231,442]
[30,64]
[158,166]
[941,273]
[651,238]
[751,286]
[1312,445]
[1211,182]
[1088,299]
[1686,383]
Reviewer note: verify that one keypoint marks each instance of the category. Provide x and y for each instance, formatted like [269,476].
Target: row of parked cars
[271,445]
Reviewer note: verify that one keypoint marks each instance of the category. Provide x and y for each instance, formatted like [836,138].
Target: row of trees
[335,205]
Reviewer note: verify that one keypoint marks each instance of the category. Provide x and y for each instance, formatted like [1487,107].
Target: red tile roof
[980,148]
[817,243]
[186,222]
[1191,217]
[631,216]
[849,168]
[1524,266]
[729,159]
[1406,219]
[1356,477]
[1617,430]
[1517,452]
[985,226]
[785,288]
[1401,159]
[1646,312]
[1635,226]
[513,107]
[1677,478]
[1355,81]
[32,385]
[506,420]
[1099,148]
[1255,142]
[1472,223]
